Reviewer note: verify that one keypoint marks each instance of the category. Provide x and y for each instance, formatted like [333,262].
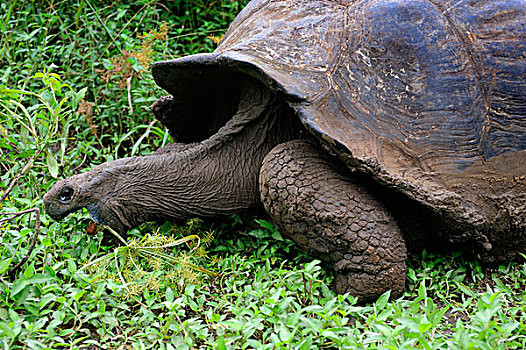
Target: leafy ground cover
[74,92]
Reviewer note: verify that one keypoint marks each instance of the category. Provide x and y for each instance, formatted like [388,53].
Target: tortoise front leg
[335,219]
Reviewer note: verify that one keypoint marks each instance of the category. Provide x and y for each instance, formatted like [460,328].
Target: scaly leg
[335,219]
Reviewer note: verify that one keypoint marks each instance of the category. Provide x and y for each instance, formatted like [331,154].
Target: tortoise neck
[215,177]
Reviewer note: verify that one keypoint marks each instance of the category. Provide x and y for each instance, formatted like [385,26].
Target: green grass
[64,107]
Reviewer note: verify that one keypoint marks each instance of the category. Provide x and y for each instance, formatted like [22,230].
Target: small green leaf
[80,95]
[264,223]
[29,271]
[110,319]
[422,290]
[167,226]
[169,295]
[465,289]
[40,278]
[3,314]
[39,75]
[259,233]
[48,97]
[4,264]
[46,299]
[72,267]
[424,327]
[4,327]
[313,266]
[277,236]
[221,344]
[25,231]
[382,300]
[52,164]
[79,295]
[18,286]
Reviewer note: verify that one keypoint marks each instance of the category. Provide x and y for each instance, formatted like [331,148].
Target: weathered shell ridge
[428,97]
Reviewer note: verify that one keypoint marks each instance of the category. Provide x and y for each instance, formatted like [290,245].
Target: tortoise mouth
[55,212]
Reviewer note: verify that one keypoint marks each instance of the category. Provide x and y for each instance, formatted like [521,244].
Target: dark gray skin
[249,161]
[215,177]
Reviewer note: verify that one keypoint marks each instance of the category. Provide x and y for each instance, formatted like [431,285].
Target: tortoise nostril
[66,195]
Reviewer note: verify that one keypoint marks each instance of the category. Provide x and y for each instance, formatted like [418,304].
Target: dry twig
[17,177]
[35,235]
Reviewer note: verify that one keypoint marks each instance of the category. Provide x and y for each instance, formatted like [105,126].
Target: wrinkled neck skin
[215,177]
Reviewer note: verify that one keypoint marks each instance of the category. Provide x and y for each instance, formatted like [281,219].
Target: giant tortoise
[363,127]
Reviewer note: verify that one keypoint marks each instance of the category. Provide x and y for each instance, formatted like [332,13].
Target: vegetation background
[74,92]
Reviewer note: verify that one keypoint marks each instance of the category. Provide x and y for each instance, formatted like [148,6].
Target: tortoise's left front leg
[334,218]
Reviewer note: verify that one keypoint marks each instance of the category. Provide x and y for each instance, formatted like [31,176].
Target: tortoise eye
[66,195]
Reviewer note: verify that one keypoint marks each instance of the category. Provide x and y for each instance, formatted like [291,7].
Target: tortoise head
[93,190]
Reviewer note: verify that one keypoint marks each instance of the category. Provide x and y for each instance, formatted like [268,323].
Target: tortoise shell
[428,97]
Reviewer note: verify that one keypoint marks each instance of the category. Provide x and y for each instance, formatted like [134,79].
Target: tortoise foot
[334,218]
